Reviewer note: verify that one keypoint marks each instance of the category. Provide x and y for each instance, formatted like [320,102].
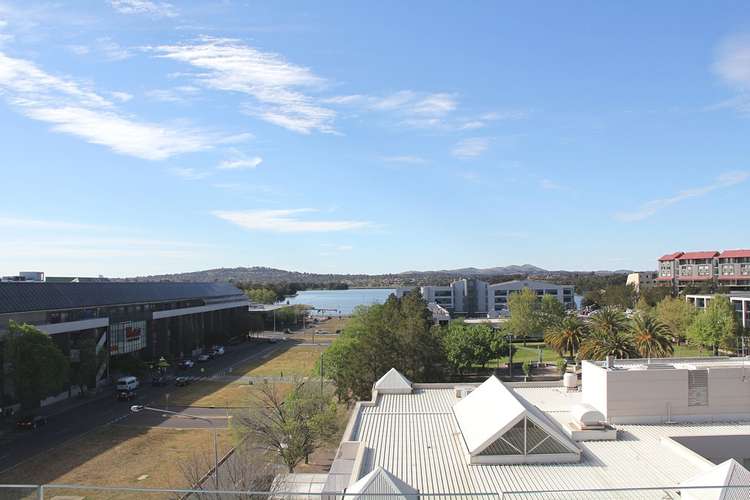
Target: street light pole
[138,408]
[510,356]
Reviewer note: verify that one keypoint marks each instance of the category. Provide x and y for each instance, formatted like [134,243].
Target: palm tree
[609,320]
[599,345]
[567,335]
[610,336]
[651,336]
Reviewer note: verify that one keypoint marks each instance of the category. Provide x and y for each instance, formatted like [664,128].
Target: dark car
[181,381]
[31,422]
[126,395]
[159,380]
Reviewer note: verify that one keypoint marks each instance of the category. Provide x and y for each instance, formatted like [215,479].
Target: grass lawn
[296,361]
[213,394]
[116,455]
[689,351]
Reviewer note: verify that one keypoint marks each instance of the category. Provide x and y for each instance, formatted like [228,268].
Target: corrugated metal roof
[22,297]
[416,437]
[734,253]
[670,256]
[727,473]
[698,255]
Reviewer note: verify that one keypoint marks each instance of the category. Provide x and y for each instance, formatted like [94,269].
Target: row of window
[118,311]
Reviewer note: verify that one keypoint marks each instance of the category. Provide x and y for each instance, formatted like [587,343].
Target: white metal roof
[727,473]
[378,483]
[417,438]
[393,382]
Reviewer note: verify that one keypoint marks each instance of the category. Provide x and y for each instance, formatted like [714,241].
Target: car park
[31,422]
[126,395]
[181,381]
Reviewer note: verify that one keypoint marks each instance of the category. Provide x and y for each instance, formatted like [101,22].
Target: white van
[127,383]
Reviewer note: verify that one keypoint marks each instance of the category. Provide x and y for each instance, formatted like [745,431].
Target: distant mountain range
[270,275]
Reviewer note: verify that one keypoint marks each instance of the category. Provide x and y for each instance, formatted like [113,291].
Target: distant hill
[259,274]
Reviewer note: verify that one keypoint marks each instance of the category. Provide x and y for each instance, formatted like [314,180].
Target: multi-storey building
[473,297]
[641,280]
[730,268]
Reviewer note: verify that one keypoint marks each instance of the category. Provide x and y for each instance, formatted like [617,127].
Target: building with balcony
[473,297]
[729,269]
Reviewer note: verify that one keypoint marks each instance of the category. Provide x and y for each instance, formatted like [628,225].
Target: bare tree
[290,426]
[243,471]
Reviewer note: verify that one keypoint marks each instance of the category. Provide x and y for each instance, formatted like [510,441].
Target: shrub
[526,367]
[562,365]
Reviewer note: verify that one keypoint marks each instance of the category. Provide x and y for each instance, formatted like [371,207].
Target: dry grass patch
[295,361]
[209,394]
[117,455]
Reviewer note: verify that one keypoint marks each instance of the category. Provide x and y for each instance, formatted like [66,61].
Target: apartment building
[641,280]
[730,269]
[474,297]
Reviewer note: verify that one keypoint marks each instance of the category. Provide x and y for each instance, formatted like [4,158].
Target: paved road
[22,445]
[217,417]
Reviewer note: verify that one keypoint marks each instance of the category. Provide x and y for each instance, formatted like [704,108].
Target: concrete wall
[659,395]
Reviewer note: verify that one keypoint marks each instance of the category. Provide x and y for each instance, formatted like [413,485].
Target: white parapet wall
[676,391]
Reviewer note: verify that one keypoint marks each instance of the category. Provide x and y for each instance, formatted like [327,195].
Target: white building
[545,441]
[642,280]
[473,297]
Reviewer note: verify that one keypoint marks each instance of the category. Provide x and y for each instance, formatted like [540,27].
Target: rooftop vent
[461,391]
[587,416]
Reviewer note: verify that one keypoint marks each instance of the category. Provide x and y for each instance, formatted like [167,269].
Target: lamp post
[510,356]
[139,408]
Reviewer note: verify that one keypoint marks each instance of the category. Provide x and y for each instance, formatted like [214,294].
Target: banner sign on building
[128,336]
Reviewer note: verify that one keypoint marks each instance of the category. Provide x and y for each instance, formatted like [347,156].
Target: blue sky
[143,137]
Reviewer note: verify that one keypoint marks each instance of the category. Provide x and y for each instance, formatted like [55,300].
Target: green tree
[677,315]
[566,336]
[714,326]
[651,336]
[262,295]
[468,345]
[608,320]
[525,318]
[83,371]
[38,367]
[551,311]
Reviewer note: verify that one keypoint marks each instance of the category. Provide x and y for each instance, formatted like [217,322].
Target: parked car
[158,380]
[287,330]
[126,395]
[181,381]
[203,358]
[218,350]
[128,383]
[31,422]
[185,364]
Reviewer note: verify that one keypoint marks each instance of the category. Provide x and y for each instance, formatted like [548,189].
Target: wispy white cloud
[732,65]
[414,109]
[470,148]
[330,250]
[550,185]
[406,159]
[650,208]
[272,81]
[240,163]
[7,221]
[149,7]
[75,108]
[189,173]
[121,96]
[286,221]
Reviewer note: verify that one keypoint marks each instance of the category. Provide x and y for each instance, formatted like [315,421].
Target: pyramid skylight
[381,484]
[499,427]
[727,474]
[393,382]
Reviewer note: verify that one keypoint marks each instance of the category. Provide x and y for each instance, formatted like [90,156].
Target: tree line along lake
[343,302]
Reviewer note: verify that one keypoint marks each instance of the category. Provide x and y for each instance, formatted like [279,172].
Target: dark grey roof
[21,297]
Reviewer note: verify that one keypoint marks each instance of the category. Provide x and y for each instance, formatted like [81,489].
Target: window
[697,387]
[501,292]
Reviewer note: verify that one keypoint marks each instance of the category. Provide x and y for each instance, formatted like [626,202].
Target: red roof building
[698,255]
[669,257]
[734,254]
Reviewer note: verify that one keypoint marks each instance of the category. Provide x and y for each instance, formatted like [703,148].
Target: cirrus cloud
[286,221]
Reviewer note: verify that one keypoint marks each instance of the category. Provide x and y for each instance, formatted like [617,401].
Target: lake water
[344,301]
[340,301]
